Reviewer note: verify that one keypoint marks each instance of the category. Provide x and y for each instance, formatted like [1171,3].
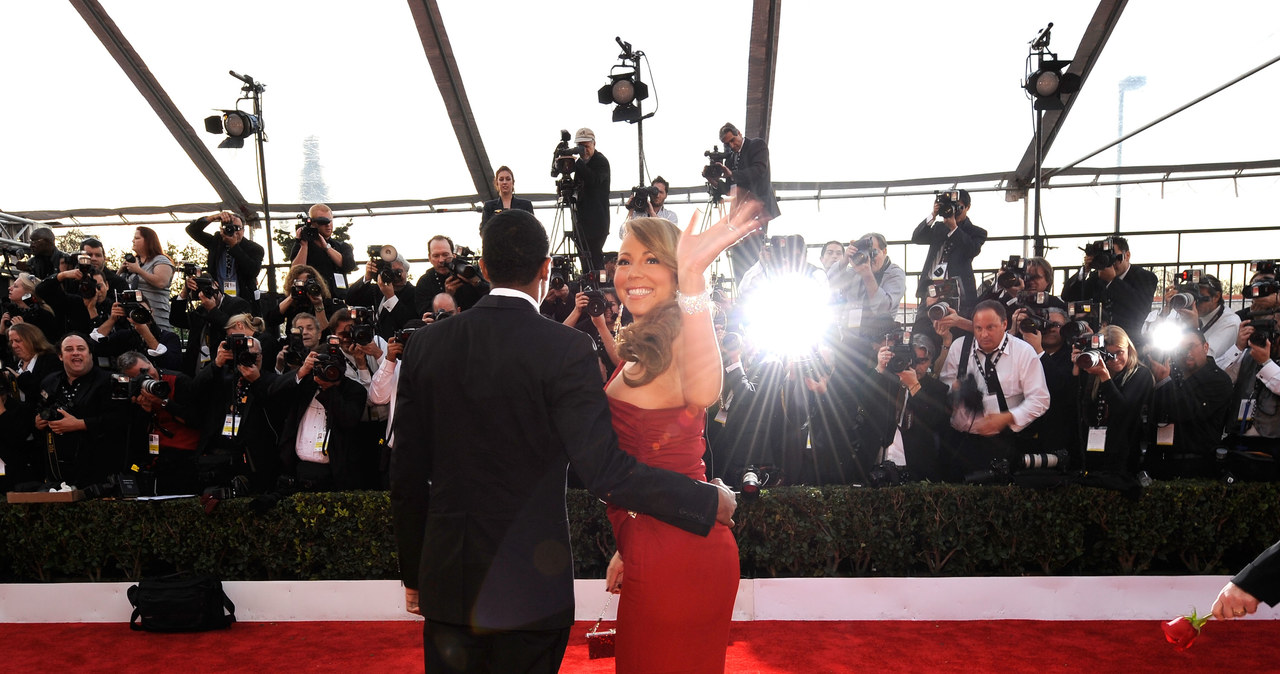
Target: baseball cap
[584,134]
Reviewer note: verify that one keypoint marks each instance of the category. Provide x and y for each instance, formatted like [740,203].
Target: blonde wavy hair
[649,340]
[1114,335]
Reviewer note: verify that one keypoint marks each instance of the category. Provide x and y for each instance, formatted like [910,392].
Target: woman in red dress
[677,603]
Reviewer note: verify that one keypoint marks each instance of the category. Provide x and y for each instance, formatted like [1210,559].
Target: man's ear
[544,271]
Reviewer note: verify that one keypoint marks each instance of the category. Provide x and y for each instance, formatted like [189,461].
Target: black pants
[459,648]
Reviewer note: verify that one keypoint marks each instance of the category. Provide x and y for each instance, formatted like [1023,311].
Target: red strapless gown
[678,588]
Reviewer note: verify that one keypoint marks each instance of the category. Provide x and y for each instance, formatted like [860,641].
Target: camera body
[866,251]
[86,287]
[305,291]
[1085,311]
[1013,272]
[330,364]
[402,335]
[949,203]
[190,269]
[382,257]
[1101,254]
[296,348]
[362,331]
[239,346]
[562,271]
[124,387]
[753,479]
[904,351]
[1264,327]
[230,228]
[131,302]
[564,157]
[641,197]
[1093,353]
[311,228]
[590,284]
[1189,287]
[464,264]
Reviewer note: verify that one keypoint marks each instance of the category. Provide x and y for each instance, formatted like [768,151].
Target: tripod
[566,237]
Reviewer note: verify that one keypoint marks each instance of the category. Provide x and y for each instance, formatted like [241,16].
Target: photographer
[83,311]
[24,306]
[650,203]
[449,274]
[914,405]
[1256,426]
[318,447]
[1055,431]
[747,166]
[238,434]
[234,262]
[33,359]
[557,305]
[363,362]
[131,327]
[303,338]
[44,254]
[1264,291]
[304,293]
[98,258]
[868,288]
[160,440]
[385,287]
[150,272]
[1123,290]
[998,389]
[591,171]
[953,243]
[442,307]
[505,182]
[1116,391]
[1189,410]
[591,315]
[314,246]
[203,310]
[382,391]
[77,414]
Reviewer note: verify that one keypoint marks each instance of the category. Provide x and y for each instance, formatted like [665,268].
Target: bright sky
[864,92]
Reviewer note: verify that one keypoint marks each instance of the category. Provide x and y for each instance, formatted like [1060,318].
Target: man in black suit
[748,168]
[234,261]
[953,243]
[479,515]
[86,430]
[204,313]
[1124,291]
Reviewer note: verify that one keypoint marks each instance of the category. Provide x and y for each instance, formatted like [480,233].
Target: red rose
[1183,630]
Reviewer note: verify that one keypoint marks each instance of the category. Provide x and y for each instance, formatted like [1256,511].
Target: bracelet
[694,304]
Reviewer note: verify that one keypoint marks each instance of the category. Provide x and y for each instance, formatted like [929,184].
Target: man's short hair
[1119,242]
[1212,281]
[666,186]
[1058,311]
[728,128]
[993,305]
[879,238]
[128,359]
[42,233]
[514,247]
[964,198]
[439,237]
[316,208]
[75,333]
[90,243]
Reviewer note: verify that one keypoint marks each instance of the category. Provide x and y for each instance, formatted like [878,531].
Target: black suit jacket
[364,294]
[190,314]
[246,255]
[1125,301]
[492,405]
[751,171]
[965,244]
[1262,577]
[493,207]
[343,404]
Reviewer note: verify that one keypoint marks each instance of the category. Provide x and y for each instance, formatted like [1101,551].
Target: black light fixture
[625,91]
[1047,84]
[237,124]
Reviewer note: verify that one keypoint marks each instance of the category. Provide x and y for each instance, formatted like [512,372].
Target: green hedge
[915,530]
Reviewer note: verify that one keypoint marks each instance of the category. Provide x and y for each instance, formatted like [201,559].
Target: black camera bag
[181,602]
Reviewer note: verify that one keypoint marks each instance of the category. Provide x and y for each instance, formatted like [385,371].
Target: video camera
[1102,254]
[641,197]
[948,202]
[464,264]
[124,387]
[717,186]
[311,227]
[563,161]
[131,302]
[382,257]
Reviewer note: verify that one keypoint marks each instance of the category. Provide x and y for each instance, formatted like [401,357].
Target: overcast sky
[889,91]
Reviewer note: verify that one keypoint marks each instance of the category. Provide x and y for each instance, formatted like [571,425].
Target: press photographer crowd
[114,385]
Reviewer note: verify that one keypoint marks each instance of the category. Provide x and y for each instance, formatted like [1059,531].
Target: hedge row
[915,530]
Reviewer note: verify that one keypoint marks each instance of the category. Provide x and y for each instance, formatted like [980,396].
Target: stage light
[625,91]
[1048,84]
[236,124]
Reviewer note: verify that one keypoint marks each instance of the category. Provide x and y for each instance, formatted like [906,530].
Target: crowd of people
[110,377]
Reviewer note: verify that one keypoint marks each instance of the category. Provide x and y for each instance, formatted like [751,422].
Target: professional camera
[1262,267]
[939,311]
[124,387]
[119,485]
[1262,287]
[440,316]
[362,331]
[1101,254]
[948,203]
[47,409]
[1034,322]
[563,158]
[1046,459]
[717,187]
[402,335]
[1078,334]
[641,197]
[904,351]
[866,252]
[997,473]
[1189,286]
[947,292]
[1096,353]
[296,349]
[239,346]
[204,287]
[304,291]
[229,227]
[86,287]
[330,364]
[311,227]
[561,271]
[130,258]
[1013,272]
[1085,311]
[464,264]
[589,284]
[131,302]
[753,479]
[382,257]
[888,474]
[190,269]
[1264,328]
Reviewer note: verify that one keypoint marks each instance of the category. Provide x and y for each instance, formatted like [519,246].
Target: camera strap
[1221,308]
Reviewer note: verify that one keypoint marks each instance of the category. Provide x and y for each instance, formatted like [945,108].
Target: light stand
[1045,84]
[626,90]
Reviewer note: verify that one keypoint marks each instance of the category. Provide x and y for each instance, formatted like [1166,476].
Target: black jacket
[960,248]
[1125,301]
[492,405]
[87,457]
[205,325]
[343,404]
[258,426]
[593,194]
[432,284]
[246,255]
[369,295]
[1123,405]
[751,171]
[1261,578]
[493,207]
[318,258]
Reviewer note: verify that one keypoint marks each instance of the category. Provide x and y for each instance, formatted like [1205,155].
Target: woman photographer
[25,307]
[1114,393]
[299,297]
[151,272]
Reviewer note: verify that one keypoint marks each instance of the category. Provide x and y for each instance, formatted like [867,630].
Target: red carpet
[1131,647]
